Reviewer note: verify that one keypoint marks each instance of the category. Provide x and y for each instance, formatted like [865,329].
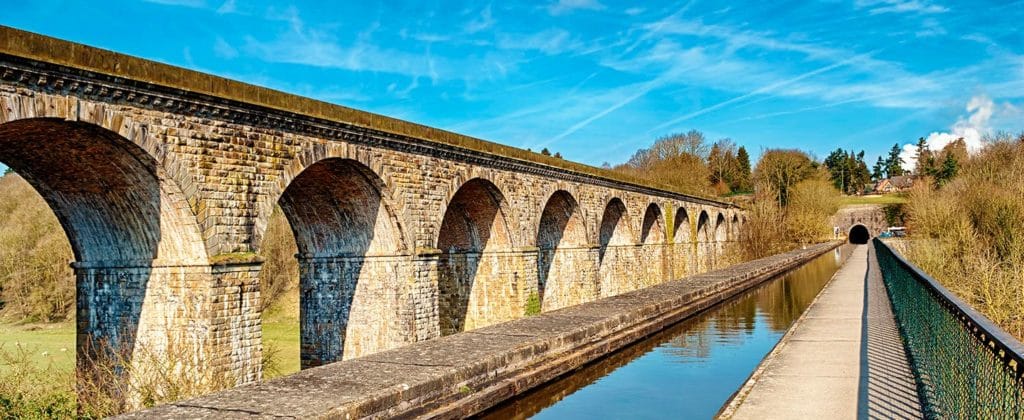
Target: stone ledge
[463,374]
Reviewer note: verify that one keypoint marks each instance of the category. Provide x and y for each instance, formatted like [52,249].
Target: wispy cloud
[561,7]
[182,3]
[876,7]
[299,44]
[483,21]
[759,91]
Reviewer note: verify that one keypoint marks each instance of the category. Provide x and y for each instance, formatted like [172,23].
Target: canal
[690,369]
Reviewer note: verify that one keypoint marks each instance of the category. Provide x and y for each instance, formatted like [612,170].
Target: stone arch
[652,230]
[704,241]
[351,270]
[615,226]
[859,234]
[682,247]
[721,229]
[561,255]
[652,249]
[735,227]
[681,229]
[313,154]
[131,230]
[547,191]
[617,249]
[471,268]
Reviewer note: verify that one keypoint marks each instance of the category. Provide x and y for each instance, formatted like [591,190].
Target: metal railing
[965,366]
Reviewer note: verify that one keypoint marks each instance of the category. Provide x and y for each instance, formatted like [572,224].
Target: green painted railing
[965,366]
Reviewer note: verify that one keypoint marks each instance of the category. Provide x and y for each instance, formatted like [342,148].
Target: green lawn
[281,344]
[45,343]
[55,343]
[851,200]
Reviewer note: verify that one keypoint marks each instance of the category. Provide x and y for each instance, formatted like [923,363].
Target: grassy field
[852,200]
[55,343]
[281,344]
[46,343]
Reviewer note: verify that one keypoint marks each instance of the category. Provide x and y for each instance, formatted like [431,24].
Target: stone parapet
[465,373]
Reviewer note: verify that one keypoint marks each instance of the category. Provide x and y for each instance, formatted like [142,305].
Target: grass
[54,344]
[47,344]
[853,200]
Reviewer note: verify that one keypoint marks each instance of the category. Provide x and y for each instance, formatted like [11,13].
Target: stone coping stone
[466,373]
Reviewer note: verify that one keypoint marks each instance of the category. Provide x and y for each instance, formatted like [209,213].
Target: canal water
[690,369]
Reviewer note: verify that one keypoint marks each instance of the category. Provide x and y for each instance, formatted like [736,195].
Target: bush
[280,272]
[36,281]
[969,234]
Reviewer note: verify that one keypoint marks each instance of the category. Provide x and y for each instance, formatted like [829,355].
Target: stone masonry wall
[219,167]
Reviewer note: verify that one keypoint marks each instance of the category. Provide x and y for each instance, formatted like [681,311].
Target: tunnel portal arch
[859,235]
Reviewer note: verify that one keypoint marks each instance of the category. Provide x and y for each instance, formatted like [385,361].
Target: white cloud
[482,22]
[183,3]
[549,41]
[981,108]
[561,7]
[319,48]
[223,49]
[922,7]
[228,7]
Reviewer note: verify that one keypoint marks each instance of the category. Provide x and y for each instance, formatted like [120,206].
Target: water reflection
[688,370]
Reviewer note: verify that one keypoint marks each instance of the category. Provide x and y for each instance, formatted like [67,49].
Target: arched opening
[735,228]
[475,284]
[859,235]
[562,270]
[704,242]
[615,248]
[681,243]
[721,230]
[350,281]
[652,232]
[652,240]
[133,237]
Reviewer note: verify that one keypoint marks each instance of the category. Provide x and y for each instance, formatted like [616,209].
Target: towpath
[842,359]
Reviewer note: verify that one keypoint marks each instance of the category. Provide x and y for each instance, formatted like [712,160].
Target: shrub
[969,233]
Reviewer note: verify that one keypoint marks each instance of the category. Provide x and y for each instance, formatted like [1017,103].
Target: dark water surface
[690,369]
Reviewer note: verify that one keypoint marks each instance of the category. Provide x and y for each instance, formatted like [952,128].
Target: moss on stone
[532,304]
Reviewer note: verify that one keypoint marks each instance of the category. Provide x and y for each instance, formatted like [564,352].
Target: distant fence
[965,366]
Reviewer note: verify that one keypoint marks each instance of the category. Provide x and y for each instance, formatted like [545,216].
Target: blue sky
[596,79]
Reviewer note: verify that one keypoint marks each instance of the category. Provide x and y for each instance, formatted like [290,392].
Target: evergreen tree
[743,169]
[545,152]
[925,159]
[558,155]
[948,170]
[878,171]
[894,165]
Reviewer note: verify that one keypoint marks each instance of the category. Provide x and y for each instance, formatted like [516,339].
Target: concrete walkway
[842,359]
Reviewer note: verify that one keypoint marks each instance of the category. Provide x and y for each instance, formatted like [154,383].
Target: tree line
[689,163]
[849,173]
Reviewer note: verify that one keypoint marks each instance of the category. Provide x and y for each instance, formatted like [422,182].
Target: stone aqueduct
[164,180]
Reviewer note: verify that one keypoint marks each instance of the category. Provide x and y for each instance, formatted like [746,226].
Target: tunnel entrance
[859,235]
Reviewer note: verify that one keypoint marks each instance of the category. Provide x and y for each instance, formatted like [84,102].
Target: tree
[780,170]
[948,169]
[545,152]
[558,155]
[848,171]
[743,170]
[723,165]
[894,165]
[925,159]
[878,171]
[676,160]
